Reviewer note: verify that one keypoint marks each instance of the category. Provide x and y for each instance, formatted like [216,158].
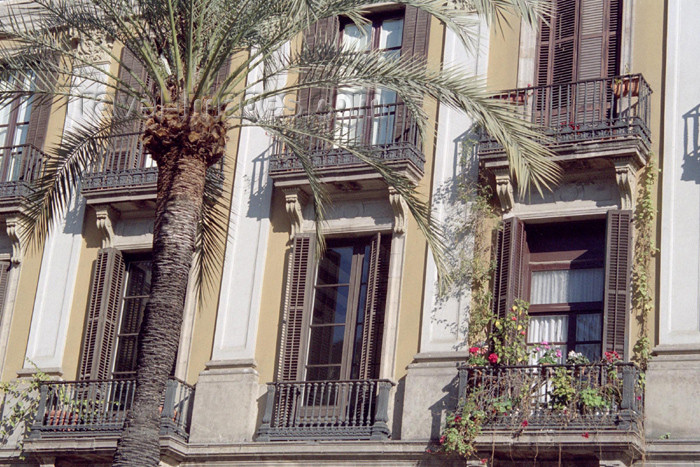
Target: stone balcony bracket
[295,199]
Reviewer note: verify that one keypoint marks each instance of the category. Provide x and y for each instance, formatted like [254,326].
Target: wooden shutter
[297,300]
[618,270]
[321,32]
[39,117]
[373,329]
[416,29]
[103,313]
[511,279]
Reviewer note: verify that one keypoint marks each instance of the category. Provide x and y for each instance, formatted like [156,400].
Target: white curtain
[547,329]
[567,286]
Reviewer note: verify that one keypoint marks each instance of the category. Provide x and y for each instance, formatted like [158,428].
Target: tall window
[334,313]
[567,285]
[138,286]
[576,275]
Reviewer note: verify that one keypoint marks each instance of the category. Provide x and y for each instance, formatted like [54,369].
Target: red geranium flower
[585,435]
[524,423]
[493,358]
[442,440]
[473,350]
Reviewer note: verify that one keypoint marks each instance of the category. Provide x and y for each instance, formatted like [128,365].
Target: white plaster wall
[246,248]
[52,305]
[680,215]
[444,319]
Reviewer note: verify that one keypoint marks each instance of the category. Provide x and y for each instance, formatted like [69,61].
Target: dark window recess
[575,276]
[339,314]
[138,287]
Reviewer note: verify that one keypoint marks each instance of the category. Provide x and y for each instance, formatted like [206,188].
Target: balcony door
[14,128]
[576,48]
[367,116]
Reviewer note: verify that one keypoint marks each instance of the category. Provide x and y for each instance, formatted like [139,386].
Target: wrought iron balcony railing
[74,408]
[353,410]
[19,166]
[124,164]
[591,397]
[595,109]
[388,132]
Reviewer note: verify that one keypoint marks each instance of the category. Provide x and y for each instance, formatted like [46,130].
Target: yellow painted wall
[504,49]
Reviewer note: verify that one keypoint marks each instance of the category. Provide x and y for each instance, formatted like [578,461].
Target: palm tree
[183,45]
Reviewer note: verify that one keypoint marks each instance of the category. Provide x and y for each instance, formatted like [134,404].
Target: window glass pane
[391,33]
[356,39]
[591,351]
[335,266]
[326,345]
[330,305]
[567,286]
[589,327]
[323,373]
[547,329]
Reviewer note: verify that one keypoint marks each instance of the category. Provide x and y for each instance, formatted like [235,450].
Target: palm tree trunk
[178,209]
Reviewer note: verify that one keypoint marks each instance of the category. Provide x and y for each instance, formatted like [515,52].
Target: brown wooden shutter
[103,313]
[222,74]
[297,300]
[373,329]
[4,274]
[618,270]
[510,281]
[322,32]
[416,31]
[39,118]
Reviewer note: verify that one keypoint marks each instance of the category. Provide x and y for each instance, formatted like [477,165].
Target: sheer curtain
[567,286]
[551,328]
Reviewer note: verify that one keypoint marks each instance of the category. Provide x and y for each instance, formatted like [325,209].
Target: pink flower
[514,318]
[483,461]
[522,333]
[558,353]
[585,435]
[639,398]
[544,343]
[442,439]
[537,349]
[493,358]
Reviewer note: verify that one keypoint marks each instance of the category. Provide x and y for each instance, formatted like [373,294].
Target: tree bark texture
[178,208]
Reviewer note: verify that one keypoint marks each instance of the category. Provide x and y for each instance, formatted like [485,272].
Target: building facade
[355,357]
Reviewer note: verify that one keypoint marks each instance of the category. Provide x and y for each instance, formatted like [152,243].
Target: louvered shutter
[313,99]
[125,148]
[373,324]
[103,313]
[222,74]
[511,279]
[297,300]
[416,31]
[618,270]
[39,117]
[4,273]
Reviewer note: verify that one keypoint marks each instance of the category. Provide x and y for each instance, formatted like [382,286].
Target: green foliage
[563,390]
[20,400]
[509,335]
[592,400]
[462,427]
[644,251]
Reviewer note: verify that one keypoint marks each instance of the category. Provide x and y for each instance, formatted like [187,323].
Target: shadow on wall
[439,410]
[691,145]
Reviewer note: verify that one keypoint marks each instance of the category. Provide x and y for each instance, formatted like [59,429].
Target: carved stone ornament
[13,228]
[105,219]
[504,189]
[398,204]
[94,48]
[295,200]
[626,176]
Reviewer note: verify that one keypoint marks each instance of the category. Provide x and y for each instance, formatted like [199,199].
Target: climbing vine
[20,400]
[644,251]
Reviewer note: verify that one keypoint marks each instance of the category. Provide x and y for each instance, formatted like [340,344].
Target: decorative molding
[94,48]
[106,217]
[626,175]
[398,204]
[14,233]
[295,200]
[504,189]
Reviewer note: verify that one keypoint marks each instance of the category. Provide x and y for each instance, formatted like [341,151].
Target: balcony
[577,409]
[323,410]
[70,409]
[585,119]
[387,132]
[123,174]
[19,167]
